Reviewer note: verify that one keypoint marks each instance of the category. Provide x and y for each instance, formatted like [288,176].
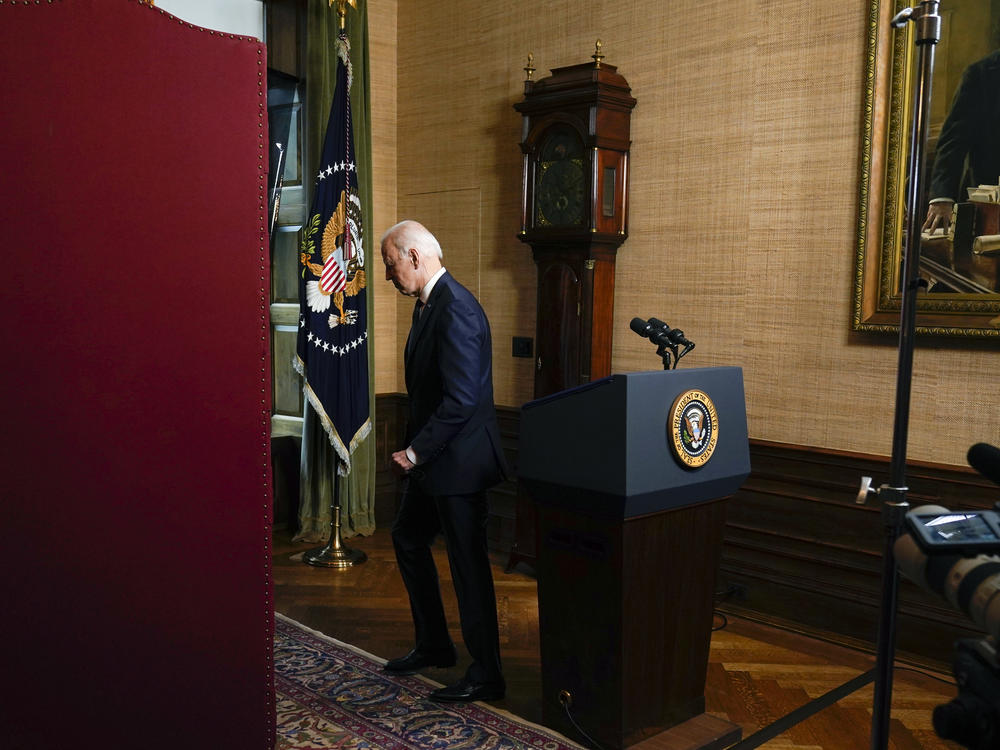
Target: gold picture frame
[889,71]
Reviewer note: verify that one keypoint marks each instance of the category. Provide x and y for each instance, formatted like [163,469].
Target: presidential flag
[332,348]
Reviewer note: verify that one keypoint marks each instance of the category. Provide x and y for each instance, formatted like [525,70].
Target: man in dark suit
[969,143]
[452,456]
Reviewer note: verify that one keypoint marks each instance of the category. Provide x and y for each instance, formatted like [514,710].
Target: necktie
[417,308]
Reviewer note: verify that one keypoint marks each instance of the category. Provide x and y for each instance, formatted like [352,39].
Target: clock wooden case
[574,212]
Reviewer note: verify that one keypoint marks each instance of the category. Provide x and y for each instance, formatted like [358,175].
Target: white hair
[409,233]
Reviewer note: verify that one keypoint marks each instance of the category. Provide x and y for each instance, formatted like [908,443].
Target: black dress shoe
[418,659]
[466,691]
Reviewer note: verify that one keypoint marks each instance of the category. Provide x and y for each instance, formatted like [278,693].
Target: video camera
[956,554]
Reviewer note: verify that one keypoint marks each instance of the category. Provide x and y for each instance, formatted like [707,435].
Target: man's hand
[938,215]
[401,464]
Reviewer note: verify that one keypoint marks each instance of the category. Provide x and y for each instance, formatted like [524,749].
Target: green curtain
[318,466]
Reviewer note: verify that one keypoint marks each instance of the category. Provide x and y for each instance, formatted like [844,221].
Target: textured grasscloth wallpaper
[744,181]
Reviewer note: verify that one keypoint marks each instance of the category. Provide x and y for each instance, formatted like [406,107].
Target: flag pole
[335,554]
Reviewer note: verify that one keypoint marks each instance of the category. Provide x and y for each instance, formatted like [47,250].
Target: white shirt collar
[425,293]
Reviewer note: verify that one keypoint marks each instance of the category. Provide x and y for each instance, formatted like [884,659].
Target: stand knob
[866,491]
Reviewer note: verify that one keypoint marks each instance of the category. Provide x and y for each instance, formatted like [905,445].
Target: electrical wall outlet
[521,346]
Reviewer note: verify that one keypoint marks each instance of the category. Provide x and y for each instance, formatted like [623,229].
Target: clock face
[560,193]
[561,185]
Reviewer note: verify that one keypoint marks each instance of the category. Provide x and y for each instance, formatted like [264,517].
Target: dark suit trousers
[462,519]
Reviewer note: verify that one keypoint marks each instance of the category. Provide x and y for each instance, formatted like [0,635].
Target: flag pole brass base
[334,554]
[331,557]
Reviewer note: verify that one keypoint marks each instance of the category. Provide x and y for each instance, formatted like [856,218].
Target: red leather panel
[134,478]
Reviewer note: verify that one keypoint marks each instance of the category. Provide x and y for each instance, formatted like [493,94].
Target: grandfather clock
[575,141]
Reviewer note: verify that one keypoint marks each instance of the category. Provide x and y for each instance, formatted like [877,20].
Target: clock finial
[597,54]
[530,67]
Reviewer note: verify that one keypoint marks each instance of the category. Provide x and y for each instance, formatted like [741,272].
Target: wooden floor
[756,674]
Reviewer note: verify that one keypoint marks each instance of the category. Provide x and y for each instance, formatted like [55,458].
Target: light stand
[928,25]
[893,495]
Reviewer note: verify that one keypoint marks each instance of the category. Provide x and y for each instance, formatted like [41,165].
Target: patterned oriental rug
[332,695]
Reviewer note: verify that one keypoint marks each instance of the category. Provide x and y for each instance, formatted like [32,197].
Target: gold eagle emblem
[337,276]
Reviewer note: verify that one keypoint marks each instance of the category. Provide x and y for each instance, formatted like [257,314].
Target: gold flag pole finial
[530,67]
[597,54]
[342,10]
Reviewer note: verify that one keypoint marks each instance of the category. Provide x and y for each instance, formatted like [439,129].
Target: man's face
[402,272]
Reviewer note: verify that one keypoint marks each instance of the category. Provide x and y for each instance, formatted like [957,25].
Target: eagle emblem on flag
[340,270]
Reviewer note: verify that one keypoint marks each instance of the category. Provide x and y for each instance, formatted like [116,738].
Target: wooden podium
[628,541]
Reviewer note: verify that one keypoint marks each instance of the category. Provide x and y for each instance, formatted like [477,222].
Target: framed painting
[959,208]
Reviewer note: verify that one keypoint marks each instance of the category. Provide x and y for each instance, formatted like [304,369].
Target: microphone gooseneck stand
[928,25]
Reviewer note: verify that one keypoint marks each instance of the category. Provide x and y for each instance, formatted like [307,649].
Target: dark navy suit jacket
[449,378]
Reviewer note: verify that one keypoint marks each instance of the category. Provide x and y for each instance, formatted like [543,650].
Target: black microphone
[673,335]
[652,329]
[985,459]
[661,333]
[677,336]
[657,323]
[642,327]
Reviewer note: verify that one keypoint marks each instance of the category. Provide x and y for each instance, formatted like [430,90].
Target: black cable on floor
[565,704]
[927,673]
